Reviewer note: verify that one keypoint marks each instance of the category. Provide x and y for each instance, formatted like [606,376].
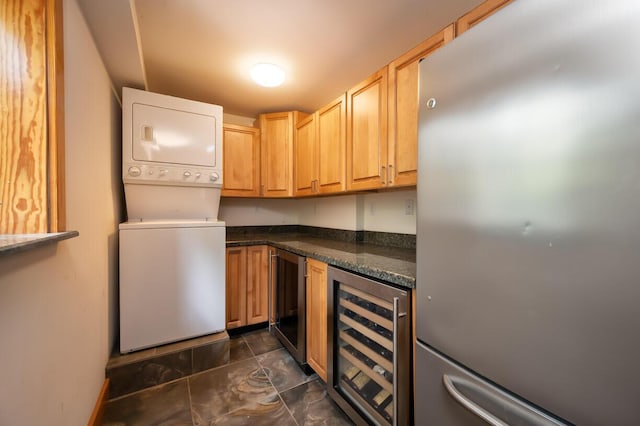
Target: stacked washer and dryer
[172,248]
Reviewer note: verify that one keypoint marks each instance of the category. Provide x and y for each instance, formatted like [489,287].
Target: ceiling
[203,49]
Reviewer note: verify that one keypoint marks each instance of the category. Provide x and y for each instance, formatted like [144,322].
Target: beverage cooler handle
[396,302]
[270,292]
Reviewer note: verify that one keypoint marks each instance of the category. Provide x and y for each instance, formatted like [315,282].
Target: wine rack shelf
[369,359]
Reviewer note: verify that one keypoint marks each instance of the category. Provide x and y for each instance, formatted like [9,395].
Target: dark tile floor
[261,384]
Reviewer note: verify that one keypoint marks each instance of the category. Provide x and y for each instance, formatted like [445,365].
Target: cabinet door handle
[262,190]
[270,298]
[383,174]
[390,174]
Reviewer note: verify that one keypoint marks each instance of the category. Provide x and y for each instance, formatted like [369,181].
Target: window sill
[17,243]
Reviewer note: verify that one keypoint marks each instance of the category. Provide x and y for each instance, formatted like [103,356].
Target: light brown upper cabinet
[305,157]
[478,14]
[241,157]
[32,117]
[276,144]
[320,144]
[403,109]
[332,145]
[367,133]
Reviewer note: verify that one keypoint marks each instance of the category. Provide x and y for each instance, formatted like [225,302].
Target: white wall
[239,120]
[256,212]
[339,212]
[387,212]
[328,212]
[382,212]
[54,301]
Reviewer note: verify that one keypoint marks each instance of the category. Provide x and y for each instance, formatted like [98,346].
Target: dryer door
[164,135]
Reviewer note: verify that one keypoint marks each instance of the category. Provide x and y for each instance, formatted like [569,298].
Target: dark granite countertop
[390,264]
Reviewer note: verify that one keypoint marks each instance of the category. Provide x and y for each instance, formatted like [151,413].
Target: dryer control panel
[170,175]
[170,141]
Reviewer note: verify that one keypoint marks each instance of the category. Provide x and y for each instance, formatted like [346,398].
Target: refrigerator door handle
[469,404]
[516,409]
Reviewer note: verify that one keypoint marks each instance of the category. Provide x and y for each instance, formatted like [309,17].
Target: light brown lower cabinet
[317,317]
[247,283]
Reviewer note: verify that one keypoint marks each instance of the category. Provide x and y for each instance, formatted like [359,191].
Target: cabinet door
[367,133]
[257,284]
[479,14]
[305,157]
[332,141]
[276,144]
[403,109]
[241,158]
[236,283]
[317,317]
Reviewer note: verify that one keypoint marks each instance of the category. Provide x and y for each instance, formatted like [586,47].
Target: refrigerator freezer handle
[470,405]
[526,414]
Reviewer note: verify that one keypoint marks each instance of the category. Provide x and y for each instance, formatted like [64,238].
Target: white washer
[172,249]
[174,282]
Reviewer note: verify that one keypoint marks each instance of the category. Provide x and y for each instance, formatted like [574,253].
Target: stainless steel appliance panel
[369,357]
[528,205]
[451,395]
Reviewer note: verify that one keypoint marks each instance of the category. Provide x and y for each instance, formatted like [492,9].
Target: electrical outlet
[409,207]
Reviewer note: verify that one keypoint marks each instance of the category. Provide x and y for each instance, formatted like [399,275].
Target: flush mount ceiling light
[267,75]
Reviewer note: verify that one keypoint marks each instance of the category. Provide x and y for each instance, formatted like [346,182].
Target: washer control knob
[187,174]
[134,171]
[214,176]
[198,175]
[163,172]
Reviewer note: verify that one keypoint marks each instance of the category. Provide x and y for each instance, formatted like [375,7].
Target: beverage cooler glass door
[290,303]
[368,362]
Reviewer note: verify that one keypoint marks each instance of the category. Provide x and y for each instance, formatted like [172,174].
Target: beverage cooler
[369,362]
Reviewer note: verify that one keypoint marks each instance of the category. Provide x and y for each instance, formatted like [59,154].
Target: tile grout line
[193,422]
[255,359]
[277,391]
[117,398]
[189,389]
[182,378]
[269,378]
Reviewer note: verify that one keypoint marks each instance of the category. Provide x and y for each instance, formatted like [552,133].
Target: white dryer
[172,248]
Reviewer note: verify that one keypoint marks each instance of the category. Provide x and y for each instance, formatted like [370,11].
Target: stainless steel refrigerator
[528,281]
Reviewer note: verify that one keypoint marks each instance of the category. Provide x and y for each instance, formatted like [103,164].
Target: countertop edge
[363,269]
[26,242]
